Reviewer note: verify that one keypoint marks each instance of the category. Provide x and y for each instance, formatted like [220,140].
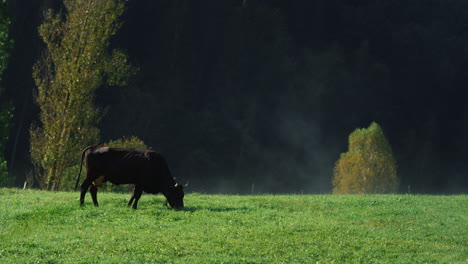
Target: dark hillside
[262,95]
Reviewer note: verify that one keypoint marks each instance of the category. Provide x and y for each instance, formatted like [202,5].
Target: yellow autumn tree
[368,166]
[75,63]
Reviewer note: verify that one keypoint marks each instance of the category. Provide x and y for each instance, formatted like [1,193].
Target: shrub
[132,142]
[368,166]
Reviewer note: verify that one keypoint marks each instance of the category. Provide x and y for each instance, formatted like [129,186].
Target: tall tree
[75,63]
[5,107]
[5,41]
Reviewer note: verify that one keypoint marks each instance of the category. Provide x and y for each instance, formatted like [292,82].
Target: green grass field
[50,227]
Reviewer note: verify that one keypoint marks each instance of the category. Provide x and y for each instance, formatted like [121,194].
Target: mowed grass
[50,227]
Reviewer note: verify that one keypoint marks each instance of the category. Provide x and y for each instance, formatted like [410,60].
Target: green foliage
[368,166]
[50,227]
[131,142]
[5,124]
[74,65]
[5,179]
[5,121]
[69,177]
[5,41]
[6,109]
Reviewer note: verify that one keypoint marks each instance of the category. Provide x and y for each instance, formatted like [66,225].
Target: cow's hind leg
[137,192]
[84,188]
[93,190]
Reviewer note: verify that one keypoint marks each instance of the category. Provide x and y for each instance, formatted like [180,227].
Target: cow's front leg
[132,197]
[93,190]
[84,188]
[137,192]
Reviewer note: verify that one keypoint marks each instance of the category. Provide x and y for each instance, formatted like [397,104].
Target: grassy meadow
[50,227]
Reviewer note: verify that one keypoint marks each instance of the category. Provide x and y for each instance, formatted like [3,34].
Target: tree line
[260,96]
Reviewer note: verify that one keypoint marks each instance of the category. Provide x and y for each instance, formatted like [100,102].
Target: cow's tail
[81,165]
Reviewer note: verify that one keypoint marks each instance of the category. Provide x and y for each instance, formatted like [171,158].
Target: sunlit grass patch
[51,227]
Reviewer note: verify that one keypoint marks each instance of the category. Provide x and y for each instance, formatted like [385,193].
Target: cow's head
[175,196]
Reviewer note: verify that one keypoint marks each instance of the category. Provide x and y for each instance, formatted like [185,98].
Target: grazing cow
[146,169]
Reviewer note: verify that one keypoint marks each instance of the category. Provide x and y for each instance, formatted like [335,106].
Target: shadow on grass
[212,209]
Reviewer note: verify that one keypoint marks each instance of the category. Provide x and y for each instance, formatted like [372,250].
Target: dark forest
[260,96]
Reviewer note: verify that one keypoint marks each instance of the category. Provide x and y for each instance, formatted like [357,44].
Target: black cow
[146,169]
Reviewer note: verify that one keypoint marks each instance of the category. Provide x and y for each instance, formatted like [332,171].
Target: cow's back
[130,166]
